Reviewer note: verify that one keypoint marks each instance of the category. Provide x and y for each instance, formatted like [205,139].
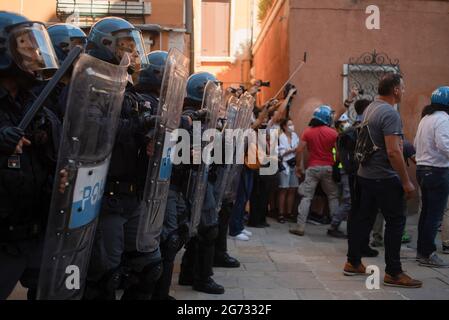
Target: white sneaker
[247,232]
[241,237]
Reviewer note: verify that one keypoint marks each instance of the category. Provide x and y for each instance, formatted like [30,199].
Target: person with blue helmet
[197,261]
[319,139]
[115,260]
[64,37]
[150,78]
[26,169]
[432,172]
[111,38]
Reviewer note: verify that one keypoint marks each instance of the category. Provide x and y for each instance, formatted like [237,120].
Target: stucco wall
[271,59]
[332,31]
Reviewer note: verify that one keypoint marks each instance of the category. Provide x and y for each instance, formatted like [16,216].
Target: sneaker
[445,249]
[247,232]
[434,261]
[334,232]
[298,230]
[401,281]
[350,270]
[241,237]
[406,238]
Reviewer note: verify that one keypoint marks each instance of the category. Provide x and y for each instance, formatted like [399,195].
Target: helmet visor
[131,42]
[32,50]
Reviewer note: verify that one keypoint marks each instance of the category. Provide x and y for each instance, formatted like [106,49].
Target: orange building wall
[167,13]
[39,10]
[272,57]
[332,31]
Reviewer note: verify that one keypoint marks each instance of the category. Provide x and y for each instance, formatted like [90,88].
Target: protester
[432,156]
[288,181]
[382,183]
[319,139]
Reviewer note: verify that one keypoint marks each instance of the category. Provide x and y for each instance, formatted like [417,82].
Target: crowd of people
[359,165]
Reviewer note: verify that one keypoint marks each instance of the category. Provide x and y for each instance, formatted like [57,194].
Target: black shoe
[227,262]
[369,253]
[336,234]
[185,280]
[208,286]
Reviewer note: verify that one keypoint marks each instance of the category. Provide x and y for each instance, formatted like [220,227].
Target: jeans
[243,194]
[315,175]
[434,184]
[344,209]
[386,195]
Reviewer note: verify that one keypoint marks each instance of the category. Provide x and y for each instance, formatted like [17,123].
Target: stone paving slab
[278,265]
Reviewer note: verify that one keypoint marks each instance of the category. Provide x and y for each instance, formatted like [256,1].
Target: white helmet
[344,117]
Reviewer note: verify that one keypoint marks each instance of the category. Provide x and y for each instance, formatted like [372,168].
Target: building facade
[342,51]
[223,33]
[163,22]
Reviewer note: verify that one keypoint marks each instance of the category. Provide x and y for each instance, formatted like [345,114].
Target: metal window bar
[365,73]
[94,8]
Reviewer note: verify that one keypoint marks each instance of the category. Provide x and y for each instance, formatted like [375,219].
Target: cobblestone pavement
[278,265]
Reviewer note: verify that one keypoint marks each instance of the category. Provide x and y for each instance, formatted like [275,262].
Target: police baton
[37,104]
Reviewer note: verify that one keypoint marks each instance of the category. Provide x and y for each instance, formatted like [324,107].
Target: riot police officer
[197,262]
[115,260]
[26,169]
[64,37]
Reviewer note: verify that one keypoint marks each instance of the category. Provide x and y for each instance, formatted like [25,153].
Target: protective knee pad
[171,246]
[105,288]
[144,279]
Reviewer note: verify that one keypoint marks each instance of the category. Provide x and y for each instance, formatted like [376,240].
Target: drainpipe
[188,4]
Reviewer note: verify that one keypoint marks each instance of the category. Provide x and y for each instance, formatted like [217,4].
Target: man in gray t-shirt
[383,120]
[382,183]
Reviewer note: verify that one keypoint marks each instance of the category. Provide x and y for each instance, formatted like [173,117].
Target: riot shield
[245,106]
[157,183]
[223,172]
[89,129]
[197,187]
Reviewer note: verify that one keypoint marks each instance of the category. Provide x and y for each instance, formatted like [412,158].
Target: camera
[261,83]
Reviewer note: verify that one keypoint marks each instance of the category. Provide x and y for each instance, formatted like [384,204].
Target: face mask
[291,128]
[344,126]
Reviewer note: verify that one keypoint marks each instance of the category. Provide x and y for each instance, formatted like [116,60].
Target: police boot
[140,285]
[209,286]
[226,261]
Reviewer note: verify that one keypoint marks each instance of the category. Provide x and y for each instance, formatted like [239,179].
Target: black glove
[200,115]
[148,121]
[9,138]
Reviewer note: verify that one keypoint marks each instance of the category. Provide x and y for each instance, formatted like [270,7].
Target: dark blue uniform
[25,192]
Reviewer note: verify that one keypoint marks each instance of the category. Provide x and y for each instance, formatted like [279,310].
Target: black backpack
[365,146]
[346,144]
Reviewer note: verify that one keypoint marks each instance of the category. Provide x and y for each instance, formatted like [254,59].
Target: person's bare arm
[299,156]
[395,156]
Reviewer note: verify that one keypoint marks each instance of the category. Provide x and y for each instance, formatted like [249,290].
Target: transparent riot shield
[245,105]
[90,124]
[152,207]
[223,172]
[197,186]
